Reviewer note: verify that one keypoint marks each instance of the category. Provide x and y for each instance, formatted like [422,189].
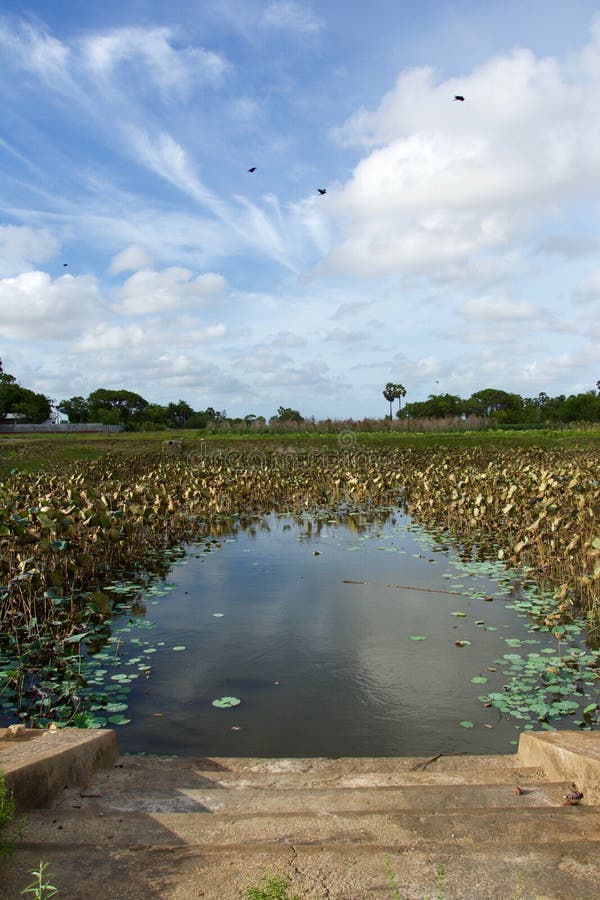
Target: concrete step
[137,773]
[483,855]
[489,827]
[273,801]
[335,765]
[210,827]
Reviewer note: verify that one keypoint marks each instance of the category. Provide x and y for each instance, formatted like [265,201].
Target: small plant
[275,888]
[391,878]
[10,830]
[41,887]
[440,883]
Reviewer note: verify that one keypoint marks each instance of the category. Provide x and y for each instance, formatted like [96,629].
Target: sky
[457,246]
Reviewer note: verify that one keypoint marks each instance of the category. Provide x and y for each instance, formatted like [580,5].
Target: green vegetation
[26,405]
[11,829]
[274,888]
[490,407]
[85,522]
[41,887]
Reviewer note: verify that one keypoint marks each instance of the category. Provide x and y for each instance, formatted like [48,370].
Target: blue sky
[457,246]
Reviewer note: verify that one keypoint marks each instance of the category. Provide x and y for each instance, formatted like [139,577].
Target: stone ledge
[40,764]
[565,756]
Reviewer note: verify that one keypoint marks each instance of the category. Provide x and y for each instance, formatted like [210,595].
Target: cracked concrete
[174,828]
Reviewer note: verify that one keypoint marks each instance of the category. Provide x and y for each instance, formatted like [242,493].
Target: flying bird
[322,191]
[65,264]
[458,97]
[253,169]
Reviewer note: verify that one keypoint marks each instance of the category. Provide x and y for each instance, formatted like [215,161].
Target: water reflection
[357,635]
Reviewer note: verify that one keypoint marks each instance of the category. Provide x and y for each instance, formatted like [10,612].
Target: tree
[29,406]
[77,409]
[399,393]
[393,392]
[178,413]
[437,406]
[115,407]
[495,403]
[287,414]
[5,378]
[389,394]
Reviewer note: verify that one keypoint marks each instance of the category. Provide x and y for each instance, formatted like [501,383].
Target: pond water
[338,638]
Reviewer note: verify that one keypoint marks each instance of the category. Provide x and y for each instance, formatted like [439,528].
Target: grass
[39,452]
[11,829]
[273,888]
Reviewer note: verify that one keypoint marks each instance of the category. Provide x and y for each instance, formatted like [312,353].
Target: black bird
[65,264]
[458,97]
[253,169]
[322,191]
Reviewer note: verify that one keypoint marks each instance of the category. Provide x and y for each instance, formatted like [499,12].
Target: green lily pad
[466,724]
[417,637]
[226,702]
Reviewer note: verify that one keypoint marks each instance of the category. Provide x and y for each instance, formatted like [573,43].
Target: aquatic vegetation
[84,542]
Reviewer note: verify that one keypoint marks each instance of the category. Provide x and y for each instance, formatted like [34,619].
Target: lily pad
[226,702]
[417,637]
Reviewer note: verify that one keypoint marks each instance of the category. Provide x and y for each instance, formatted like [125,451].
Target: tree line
[504,408]
[134,412]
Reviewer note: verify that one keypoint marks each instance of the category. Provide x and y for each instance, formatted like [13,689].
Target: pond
[355,636]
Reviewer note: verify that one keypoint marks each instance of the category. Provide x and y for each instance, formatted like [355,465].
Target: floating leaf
[466,724]
[478,679]
[417,637]
[180,647]
[225,702]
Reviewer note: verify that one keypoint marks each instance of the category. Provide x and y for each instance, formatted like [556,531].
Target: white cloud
[130,259]
[350,310]
[21,246]
[146,339]
[151,52]
[589,289]
[36,308]
[443,182]
[288,15]
[148,291]
[36,50]
[289,340]
[497,309]
[338,335]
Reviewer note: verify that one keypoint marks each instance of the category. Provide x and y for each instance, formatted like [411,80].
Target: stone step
[273,801]
[131,773]
[549,871]
[337,765]
[462,829]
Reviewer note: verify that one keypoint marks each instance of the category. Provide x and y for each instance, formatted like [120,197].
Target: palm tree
[389,392]
[399,393]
